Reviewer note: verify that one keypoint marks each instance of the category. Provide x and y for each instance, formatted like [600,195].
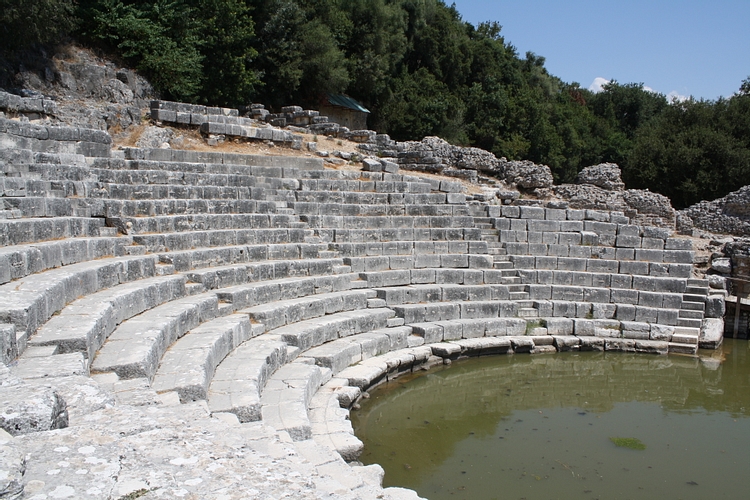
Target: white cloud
[676,96]
[597,84]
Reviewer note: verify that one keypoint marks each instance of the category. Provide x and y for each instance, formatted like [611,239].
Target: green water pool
[548,426]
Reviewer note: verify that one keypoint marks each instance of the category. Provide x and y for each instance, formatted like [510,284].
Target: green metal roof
[346,102]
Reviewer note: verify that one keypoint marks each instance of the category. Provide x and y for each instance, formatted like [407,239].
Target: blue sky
[689,47]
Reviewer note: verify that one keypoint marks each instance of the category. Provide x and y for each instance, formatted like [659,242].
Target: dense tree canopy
[422,71]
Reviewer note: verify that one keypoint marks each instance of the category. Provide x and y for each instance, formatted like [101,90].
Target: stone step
[429,293]
[19,261]
[694,290]
[31,301]
[86,323]
[322,272]
[678,348]
[239,379]
[519,295]
[684,339]
[690,323]
[693,298]
[691,314]
[685,330]
[316,331]
[528,312]
[189,364]
[135,250]
[339,354]
[287,395]
[136,346]
[284,312]
[693,306]
[393,322]
[702,283]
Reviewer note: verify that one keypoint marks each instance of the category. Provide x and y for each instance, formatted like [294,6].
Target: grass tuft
[632,443]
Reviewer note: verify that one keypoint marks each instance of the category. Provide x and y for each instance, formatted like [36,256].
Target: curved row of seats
[277,290]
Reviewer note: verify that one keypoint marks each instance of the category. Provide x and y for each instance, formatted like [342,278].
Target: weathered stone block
[30,408]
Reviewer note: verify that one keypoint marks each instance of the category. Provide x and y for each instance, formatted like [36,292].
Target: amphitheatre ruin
[190,305]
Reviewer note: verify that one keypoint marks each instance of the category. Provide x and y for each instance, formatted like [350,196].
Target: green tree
[160,38]
[226,34]
[693,151]
[27,22]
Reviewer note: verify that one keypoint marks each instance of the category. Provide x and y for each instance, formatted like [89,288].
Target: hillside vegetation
[422,71]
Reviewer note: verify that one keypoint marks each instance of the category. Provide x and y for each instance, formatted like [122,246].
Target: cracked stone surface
[163,452]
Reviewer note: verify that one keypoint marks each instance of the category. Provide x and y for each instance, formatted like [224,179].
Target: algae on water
[632,443]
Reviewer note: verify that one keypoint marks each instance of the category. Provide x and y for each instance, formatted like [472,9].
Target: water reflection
[540,427]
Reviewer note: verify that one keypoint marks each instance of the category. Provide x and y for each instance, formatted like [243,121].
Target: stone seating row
[104,206]
[416,294]
[99,190]
[145,172]
[418,260]
[212,157]
[100,207]
[504,212]
[276,240]
[205,222]
[29,302]
[401,277]
[377,249]
[42,138]
[525,255]
[32,105]
[359,191]
[57,180]
[189,365]
[18,261]
[384,209]
[247,177]
[607,275]
[603,298]
[250,260]
[574,233]
[377,241]
[288,402]
[261,166]
[33,230]
[181,107]
[395,222]
[371,198]
[265,167]
[251,132]
[126,328]
[135,348]
[280,313]
[84,324]
[341,180]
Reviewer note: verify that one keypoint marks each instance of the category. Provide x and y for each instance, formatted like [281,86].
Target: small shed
[345,111]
